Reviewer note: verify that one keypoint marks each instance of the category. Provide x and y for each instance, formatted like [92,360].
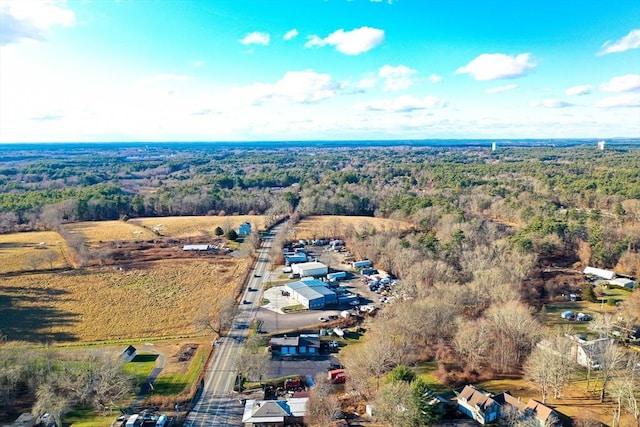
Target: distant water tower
[494,146]
[600,145]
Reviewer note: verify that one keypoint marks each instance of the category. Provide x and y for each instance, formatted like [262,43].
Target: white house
[275,413]
[590,353]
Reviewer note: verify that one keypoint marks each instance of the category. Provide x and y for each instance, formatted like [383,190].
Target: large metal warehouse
[307,269]
[312,294]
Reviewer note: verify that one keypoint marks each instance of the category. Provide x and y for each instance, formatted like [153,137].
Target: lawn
[87,417]
[334,226]
[141,366]
[554,309]
[172,384]
[157,300]
[425,372]
[28,251]
[189,226]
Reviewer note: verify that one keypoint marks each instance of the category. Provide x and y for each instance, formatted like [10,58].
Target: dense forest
[484,227]
[574,203]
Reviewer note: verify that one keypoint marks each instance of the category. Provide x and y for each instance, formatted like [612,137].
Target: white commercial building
[306,269]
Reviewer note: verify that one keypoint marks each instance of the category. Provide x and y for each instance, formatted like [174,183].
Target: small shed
[244,229]
[128,354]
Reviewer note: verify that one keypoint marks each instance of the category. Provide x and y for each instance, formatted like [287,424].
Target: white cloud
[626,83]
[550,103]
[256,38]
[198,63]
[30,20]
[352,42]
[500,89]
[160,78]
[301,87]
[366,83]
[624,100]
[494,66]
[434,78]
[397,78]
[404,104]
[630,41]
[291,34]
[579,90]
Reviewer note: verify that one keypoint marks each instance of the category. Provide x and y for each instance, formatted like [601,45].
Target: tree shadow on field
[30,314]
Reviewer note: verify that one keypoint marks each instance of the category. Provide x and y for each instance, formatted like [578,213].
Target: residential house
[590,353]
[478,405]
[583,352]
[300,346]
[275,413]
[513,408]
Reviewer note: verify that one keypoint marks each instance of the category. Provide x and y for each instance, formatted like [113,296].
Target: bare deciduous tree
[217,320]
[549,368]
[323,404]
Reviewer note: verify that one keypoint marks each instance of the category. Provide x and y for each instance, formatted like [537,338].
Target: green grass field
[141,366]
[175,384]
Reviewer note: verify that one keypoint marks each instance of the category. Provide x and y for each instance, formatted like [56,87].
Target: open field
[105,231]
[17,249]
[333,226]
[157,299]
[189,226]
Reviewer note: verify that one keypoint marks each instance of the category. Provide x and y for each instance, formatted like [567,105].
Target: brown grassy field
[188,226]
[159,299]
[106,231]
[17,248]
[332,226]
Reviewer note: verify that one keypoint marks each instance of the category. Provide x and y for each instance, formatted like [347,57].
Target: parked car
[323,319]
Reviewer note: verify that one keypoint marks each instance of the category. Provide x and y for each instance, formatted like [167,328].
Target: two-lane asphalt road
[217,406]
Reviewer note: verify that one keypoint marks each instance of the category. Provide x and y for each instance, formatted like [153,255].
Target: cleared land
[107,231]
[331,226]
[18,249]
[155,299]
[191,226]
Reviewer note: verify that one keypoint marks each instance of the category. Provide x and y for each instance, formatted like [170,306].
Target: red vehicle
[337,376]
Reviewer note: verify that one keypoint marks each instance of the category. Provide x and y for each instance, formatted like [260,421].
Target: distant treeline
[564,192]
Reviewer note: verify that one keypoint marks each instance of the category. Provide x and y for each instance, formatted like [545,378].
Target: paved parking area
[280,368]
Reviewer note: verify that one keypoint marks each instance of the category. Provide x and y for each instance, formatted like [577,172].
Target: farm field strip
[327,226]
[158,299]
[16,250]
[190,226]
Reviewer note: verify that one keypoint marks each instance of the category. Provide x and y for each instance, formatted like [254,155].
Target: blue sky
[238,70]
